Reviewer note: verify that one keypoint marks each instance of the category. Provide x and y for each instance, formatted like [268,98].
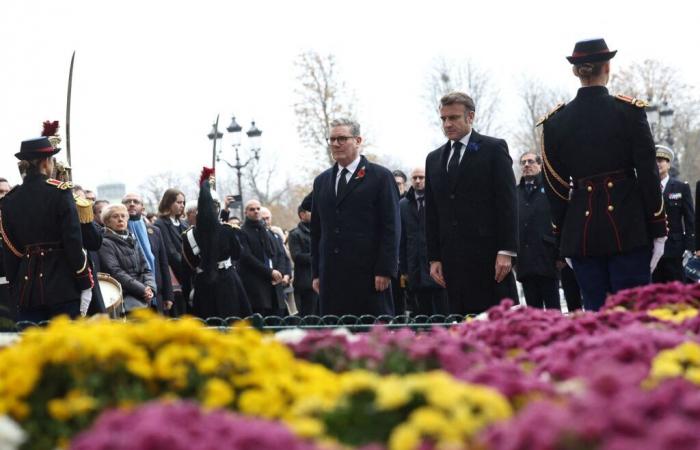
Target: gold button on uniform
[590,188]
[610,207]
[610,184]
[587,213]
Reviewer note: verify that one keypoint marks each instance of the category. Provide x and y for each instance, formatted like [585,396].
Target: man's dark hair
[459,98]
[400,173]
[538,159]
[169,197]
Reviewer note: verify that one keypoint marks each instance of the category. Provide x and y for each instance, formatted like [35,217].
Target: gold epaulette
[63,185]
[638,102]
[85,213]
[550,114]
[235,227]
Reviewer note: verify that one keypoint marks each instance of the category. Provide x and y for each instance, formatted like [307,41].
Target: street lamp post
[660,120]
[234,129]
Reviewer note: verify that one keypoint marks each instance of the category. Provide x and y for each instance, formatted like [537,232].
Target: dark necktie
[529,187]
[343,182]
[453,165]
[420,205]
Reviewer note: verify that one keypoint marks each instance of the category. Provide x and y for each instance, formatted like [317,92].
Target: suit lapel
[355,180]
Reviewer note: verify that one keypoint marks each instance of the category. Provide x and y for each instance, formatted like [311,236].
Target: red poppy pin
[360,173]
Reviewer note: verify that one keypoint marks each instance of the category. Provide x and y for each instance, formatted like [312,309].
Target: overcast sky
[150,76]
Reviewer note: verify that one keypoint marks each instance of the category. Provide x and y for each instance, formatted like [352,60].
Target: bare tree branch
[448,75]
[321,97]
[537,99]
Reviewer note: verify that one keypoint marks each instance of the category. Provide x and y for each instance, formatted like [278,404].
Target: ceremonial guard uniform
[603,185]
[45,263]
[209,249]
[678,203]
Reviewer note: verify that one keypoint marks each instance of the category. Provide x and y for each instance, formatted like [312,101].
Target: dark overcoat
[413,253]
[469,223]
[537,251]
[354,238]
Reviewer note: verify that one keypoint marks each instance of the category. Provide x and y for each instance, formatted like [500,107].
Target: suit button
[336,250]
[610,207]
[454,223]
[452,196]
[336,230]
[587,213]
[590,188]
[610,184]
[337,211]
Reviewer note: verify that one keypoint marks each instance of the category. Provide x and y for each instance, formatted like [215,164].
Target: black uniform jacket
[681,218]
[43,248]
[601,176]
[355,237]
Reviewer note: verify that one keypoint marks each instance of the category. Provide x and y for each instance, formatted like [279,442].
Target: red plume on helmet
[207,173]
[50,128]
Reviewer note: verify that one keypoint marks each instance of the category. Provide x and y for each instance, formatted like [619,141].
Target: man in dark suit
[536,266]
[678,204]
[471,212]
[430,298]
[257,267]
[354,229]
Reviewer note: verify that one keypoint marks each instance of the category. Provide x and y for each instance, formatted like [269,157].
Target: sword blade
[70,90]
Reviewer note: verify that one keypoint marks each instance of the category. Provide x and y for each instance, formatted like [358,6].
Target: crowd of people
[594,211]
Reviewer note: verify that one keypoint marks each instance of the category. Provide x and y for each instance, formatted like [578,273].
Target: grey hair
[345,122]
[111,209]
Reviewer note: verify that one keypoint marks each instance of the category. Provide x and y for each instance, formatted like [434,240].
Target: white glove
[85,298]
[657,251]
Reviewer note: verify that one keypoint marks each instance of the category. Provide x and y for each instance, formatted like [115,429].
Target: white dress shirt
[664,182]
[351,169]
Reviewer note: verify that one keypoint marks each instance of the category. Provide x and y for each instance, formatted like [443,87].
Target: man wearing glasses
[471,212]
[354,229]
[537,252]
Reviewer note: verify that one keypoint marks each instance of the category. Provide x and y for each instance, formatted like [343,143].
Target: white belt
[192,241]
[225,264]
[3,280]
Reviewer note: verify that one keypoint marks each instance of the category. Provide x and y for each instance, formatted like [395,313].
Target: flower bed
[523,379]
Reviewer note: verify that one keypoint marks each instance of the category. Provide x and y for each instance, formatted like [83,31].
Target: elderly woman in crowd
[122,258]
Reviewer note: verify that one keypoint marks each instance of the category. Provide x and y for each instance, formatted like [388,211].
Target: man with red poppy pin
[355,229]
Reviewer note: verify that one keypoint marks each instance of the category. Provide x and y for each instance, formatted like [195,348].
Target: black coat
[124,261]
[92,240]
[354,238]
[172,239]
[468,225]
[161,270]
[45,263]
[259,248]
[537,252]
[224,295]
[300,249]
[602,146]
[678,203]
[413,252]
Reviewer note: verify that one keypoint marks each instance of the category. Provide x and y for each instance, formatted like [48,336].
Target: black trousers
[431,301]
[307,302]
[668,269]
[541,292]
[399,297]
[572,291]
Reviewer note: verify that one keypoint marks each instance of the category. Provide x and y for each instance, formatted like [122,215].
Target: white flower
[290,336]
[11,435]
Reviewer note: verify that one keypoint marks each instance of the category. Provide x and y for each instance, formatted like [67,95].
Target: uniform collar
[592,91]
